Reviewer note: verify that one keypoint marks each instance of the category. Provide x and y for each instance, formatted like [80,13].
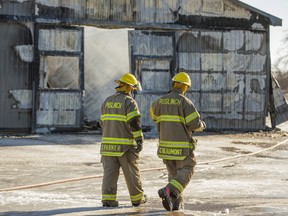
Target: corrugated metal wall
[153,62]
[278,106]
[220,43]
[60,78]
[229,75]
[15,78]
[228,69]
[142,11]
[17,8]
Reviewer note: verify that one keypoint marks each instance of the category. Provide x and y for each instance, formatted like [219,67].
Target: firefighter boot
[164,194]
[110,204]
[142,201]
[178,204]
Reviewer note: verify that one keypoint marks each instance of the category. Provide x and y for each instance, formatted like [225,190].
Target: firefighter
[176,119]
[122,140]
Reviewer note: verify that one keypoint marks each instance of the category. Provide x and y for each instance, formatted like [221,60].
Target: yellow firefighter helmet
[130,79]
[182,77]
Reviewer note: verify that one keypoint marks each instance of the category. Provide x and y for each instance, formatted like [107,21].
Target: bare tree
[281,63]
[282,79]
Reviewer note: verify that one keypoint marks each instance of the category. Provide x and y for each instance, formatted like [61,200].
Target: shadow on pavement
[86,210]
[51,139]
[52,212]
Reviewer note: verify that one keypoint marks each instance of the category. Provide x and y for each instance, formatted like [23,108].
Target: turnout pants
[128,163]
[179,174]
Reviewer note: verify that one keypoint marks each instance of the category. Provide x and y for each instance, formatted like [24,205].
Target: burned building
[222,44]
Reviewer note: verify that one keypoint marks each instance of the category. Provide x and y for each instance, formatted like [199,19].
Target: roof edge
[274,21]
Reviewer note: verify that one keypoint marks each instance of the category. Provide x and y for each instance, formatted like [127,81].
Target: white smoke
[106,59]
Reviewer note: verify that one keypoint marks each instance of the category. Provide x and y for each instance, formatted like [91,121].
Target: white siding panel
[242,62]
[213,81]
[233,105]
[60,40]
[256,63]
[212,62]
[189,61]
[235,82]
[253,41]
[211,102]
[233,40]
[152,45]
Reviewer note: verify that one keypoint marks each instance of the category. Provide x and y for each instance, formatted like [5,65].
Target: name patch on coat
[111,148]
[170,101]
[113,105]
[170,151]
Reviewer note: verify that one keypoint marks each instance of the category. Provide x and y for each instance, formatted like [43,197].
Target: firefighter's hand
[201,127]
[139,146]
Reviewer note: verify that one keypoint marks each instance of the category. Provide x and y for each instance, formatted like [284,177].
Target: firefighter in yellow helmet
[176,119]
[122,140]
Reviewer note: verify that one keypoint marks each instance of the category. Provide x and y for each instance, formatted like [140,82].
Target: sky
[277,8]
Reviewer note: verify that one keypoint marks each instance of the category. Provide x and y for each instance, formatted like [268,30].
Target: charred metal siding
[60,78]
[229,76]
[153,61]
[15,78]
[166,14]
[229,72]
[278,105]
[222,44]
[17,10]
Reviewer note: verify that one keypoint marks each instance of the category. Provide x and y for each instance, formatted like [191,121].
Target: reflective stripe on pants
[180,173]
[128,163]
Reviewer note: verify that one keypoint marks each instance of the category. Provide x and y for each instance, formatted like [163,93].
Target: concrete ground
[61,174]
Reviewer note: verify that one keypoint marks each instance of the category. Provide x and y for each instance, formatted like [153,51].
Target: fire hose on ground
[143,170]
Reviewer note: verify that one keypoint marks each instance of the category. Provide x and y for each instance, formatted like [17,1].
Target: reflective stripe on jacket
[176,118]
[120,122]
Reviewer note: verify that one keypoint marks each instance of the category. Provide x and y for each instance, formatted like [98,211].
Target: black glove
[139,146]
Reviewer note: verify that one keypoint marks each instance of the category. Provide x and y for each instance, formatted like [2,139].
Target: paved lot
[63,175]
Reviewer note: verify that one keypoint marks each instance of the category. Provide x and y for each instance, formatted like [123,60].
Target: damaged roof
[160,14]
[273,20]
